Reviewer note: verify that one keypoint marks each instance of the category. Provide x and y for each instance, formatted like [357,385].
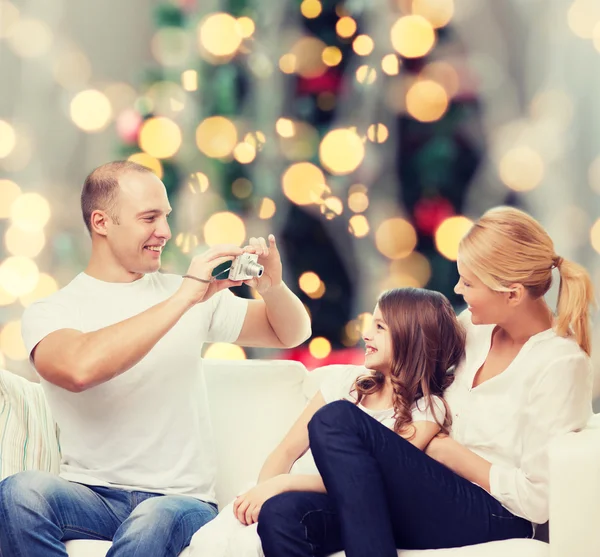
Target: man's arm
[77,361]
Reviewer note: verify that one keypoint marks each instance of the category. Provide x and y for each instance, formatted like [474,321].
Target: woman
[412,342]
[525,378]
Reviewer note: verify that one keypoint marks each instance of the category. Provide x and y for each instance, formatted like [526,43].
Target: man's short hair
[101,189]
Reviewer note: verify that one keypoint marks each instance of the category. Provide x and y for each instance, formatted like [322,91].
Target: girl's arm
[424,433]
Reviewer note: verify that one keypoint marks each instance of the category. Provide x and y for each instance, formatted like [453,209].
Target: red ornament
[329,82]
[129,123]
[429,213]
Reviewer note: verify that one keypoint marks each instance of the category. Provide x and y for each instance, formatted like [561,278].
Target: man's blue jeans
[382,493]
[40,511]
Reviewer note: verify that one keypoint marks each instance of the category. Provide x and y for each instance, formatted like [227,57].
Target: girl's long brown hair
[427,342]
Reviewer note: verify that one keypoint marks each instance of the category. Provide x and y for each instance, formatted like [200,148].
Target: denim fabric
[40,511]
[382,494]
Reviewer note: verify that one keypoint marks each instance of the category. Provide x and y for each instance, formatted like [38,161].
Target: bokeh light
[331,56]
[443,73]
[198,182]
[390,64]
[319,348]
[311,8]
[521,168]
[91,110]
[186,242]
[9,192]
[414,270]
[171,46]
[308,55]
[285,127]
[303,144]
[304,183]
[160,137]
[332,207]
[345,27]
[412,36]
[341,151]
[6,298]
[24,242]
[241,188]
[267,209]
[216,136]
[358,226]
[45,286]
[18,275]
[224,351]
[426,101]
[219,34]
[189,80]
[449,234]
[11,341]
[244,152]
[582,17]
[10,18]
[30,38]
[287,63]
[144,159]
[224,228]
[358,201]
[437,12]
[363,45]
[71,68]
[246,27]
[30,212]
[378,133]
[395,238]
[309,282]
[366,74]
[8,139]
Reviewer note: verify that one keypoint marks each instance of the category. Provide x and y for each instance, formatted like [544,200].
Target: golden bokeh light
[10,18]
[303,144]
[521,168]
[366,74]
[246,27]
[319,348]
[186,242]
[30,38]
[358,202]
[357,188]
[412,36]
[390,64]
[285,127]
[160,137]
[224,228]
[364,322]
[18,275]
[311,8]
[71,69]
[309,282]
[224,351]
[363,45]
[341,151]
[198,182]
[216,137]
[45,286]
[378,133]
[219,34]
[189,80]
[241,188]
[308,55]
[91,110]
[426,101]
[8,139]
[11,341]
[287,63]
[395,238]
[24,242]
[9,192]
[267,209]
[244,152]
[449,234]
[359,226]
[148,161]
[399,280]
[304,183]
[437,12]
[595,235]
[318,293]
[415,268]
[332,207]
[6,299]
[120,95]
[443,73]
[30,212]
[331,56]
[582,17]
[345,27]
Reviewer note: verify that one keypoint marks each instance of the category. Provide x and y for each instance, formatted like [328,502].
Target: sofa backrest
[253,403]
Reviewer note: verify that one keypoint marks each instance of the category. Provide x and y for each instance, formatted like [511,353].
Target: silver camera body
[245,267]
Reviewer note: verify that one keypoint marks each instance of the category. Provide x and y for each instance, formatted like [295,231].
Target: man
[118,353]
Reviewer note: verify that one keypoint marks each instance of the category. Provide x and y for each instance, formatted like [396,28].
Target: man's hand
[247,506]
[269,258]
[201,267]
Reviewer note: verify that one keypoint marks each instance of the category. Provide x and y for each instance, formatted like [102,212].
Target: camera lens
[254,269]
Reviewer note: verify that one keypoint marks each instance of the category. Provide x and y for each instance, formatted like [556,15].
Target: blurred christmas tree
[350,129]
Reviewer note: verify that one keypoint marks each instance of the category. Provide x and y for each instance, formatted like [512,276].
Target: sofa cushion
[28,434]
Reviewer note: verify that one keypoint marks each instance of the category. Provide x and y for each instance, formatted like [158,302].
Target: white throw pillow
[28,434]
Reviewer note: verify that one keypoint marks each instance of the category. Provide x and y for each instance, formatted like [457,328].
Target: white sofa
[253,404]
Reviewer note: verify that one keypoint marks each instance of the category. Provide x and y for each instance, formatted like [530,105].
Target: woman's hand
[247,506]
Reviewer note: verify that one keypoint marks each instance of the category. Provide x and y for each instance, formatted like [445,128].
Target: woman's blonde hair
[427,343]
[506,246]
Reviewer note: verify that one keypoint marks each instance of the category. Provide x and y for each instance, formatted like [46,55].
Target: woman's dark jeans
[382,493]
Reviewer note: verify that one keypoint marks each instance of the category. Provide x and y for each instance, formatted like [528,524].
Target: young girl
[412,346]
[525,378]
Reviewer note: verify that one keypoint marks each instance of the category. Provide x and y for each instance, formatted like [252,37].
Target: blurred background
[365,134]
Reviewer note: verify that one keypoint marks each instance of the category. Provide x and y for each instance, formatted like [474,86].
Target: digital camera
[245,267]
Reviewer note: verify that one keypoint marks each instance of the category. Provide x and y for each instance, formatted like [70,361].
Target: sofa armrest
[575,494]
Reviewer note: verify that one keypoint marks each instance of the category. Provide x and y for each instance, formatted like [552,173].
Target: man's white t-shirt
[149,428]
[338,384]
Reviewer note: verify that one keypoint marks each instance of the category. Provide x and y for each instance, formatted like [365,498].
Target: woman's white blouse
[509,419]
